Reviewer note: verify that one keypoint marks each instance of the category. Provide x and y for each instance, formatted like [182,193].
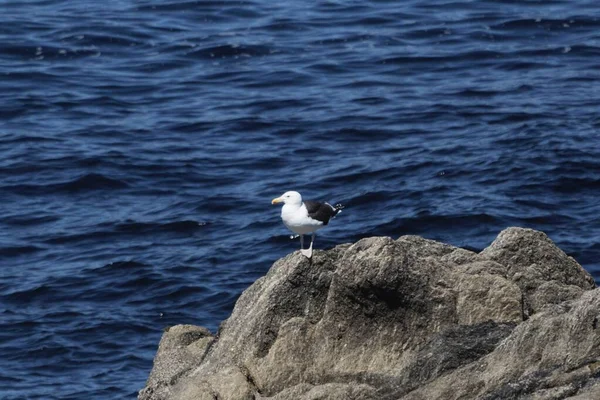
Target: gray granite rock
[181,348]
[552,355]
[532,260]
[398,319]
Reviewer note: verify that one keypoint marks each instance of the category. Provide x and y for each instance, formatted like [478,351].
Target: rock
[532,260]
[550,356]
[398,319]
[453,348]
[587,393]
[483,297]
[181,347]
[552,292]
[330,391]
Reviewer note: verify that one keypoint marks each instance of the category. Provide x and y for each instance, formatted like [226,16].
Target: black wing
[320,211]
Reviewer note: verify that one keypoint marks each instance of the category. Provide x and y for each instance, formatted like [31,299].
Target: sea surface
[141,143]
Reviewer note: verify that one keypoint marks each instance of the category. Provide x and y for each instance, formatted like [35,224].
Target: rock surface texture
[399,319]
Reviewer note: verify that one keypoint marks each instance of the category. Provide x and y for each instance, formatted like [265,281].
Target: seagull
[303,217]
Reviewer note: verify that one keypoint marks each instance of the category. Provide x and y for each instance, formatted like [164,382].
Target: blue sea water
[142,141]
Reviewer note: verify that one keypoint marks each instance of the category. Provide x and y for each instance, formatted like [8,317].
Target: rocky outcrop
[181,348]
[399,319]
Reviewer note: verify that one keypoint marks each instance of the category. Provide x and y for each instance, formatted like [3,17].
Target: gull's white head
[288,198]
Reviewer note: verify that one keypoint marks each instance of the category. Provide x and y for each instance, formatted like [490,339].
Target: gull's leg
[308,252]
[301,242]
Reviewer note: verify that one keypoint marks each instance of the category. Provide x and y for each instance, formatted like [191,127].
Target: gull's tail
[338,209]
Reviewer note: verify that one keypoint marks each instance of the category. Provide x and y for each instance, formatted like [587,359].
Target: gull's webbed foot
[307,253]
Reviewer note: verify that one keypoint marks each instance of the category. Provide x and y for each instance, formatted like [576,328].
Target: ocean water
[142,141]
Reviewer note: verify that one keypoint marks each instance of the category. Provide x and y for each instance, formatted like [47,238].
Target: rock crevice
[398,319]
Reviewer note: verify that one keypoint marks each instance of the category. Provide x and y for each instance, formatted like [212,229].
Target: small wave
[98,39]
[517,65]
[573,185]
[26,295]
[28,138]
[194,5]
[547,24]
[270,105]
[174,226]
[284,24]
[279,79]
[242,12]
[479,55]
[92,182]
[121,265]
[372,101]
[29,220]
[328,67]
[231,50]
[105,231]
[142,282]
[47,351]
[359,134]
[476,93]
[87,182]
[549,219]
[373,198]
[46,52]
[15,251]
[180,292]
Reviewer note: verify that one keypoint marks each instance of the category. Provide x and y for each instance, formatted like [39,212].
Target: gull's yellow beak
[277,200]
